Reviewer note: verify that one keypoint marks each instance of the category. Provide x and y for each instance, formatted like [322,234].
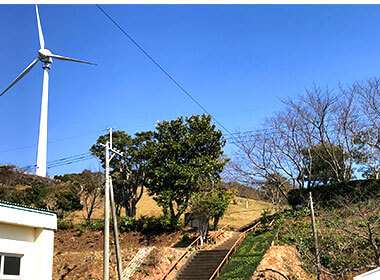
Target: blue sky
[238,61]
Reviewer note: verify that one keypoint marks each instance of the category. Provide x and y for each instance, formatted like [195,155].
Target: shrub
[94,224]
[126,224]
[147,225]
[185,238]
[326,195]
[68,201]
[65,224]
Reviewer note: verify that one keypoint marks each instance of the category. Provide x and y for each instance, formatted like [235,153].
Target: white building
[26,242]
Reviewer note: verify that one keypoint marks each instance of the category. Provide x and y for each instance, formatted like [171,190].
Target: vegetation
[210,204]
[317,138]
[128,170]
[243,190]
[185,155]
[348,236]
[329,195]
[243,263]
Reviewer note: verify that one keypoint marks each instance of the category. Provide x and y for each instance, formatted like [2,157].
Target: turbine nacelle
[44,55]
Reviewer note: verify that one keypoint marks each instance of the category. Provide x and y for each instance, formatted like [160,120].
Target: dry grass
[239,215]
[147,206]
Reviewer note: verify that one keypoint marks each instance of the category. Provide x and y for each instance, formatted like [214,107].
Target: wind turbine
[46,57]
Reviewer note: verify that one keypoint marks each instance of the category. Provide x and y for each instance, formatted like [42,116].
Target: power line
[52,141]
[64,161]
[162,69]
[71,162]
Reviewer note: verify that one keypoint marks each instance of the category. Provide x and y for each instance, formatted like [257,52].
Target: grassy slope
[238,215]
[244,262]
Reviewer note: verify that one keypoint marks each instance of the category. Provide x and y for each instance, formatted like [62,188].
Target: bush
[185,238]
[326,195]
[94,224]
[147,225]
[68,201]
[65,224]
[126,224]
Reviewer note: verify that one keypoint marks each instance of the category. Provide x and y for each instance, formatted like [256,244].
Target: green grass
[243,263]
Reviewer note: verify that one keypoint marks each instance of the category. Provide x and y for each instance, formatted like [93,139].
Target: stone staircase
[205,262]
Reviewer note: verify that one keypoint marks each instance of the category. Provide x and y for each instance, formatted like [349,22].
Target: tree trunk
[216,221]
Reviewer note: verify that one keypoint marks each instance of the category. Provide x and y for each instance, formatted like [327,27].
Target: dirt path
[281,263]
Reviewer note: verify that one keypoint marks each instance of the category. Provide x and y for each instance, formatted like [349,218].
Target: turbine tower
[46,57]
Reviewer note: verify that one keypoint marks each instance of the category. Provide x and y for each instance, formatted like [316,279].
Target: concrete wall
[34,244]
[29,233]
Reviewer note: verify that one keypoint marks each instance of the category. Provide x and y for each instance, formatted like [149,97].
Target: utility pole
[315,237]
[106,257]
[115,233]
[109,200]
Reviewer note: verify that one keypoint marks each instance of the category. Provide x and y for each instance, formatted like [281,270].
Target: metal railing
[234,248]
[195,245]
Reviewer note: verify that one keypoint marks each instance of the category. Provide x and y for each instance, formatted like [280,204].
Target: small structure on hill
[26,242]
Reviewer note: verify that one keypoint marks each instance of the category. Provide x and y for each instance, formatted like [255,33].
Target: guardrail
[234,248]
[195,245]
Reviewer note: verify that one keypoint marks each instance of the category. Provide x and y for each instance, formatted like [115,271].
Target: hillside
[240,212]
[79,253]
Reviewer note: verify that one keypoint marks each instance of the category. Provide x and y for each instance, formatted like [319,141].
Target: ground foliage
[243,263]
[343,237]
[327,195]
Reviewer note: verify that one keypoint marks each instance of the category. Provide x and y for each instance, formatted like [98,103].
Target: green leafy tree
[35,195]
[183,155]
[68,201]
[221,200]
[209,204]
[128,171]
[367,152]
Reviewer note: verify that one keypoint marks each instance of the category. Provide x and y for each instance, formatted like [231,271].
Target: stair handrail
[190,247]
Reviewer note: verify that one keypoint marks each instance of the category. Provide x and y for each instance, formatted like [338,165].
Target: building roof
[26,207]
[13,213]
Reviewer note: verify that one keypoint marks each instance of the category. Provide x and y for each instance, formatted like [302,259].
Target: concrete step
[204,263]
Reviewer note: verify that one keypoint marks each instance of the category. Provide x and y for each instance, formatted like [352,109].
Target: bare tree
[364,222]
[91,190]
[368,94]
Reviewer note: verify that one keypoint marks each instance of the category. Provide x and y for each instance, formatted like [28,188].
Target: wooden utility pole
[115,233]
[315,237]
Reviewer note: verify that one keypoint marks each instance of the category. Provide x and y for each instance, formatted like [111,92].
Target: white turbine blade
[27,69]
[69,59]
[40,35]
